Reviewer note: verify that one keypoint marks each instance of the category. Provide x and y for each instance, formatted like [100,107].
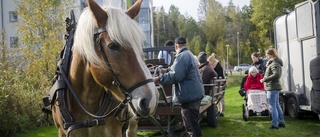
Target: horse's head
[110,41]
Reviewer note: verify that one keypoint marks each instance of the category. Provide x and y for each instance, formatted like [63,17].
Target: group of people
[189,74]
[189,90]
[267,78]
[210,68]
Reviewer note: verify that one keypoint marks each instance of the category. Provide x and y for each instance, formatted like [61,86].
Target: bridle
[116,82]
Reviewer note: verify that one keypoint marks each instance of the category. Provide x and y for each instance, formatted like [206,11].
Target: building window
[13,42]
[13,16]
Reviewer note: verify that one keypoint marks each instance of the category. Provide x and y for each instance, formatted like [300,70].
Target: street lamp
[227,57]
[238,47]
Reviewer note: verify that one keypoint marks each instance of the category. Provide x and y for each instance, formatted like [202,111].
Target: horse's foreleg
[132,128]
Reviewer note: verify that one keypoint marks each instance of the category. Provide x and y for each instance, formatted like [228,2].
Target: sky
[191,6]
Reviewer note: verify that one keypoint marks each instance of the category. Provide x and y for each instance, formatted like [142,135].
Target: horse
[106,57]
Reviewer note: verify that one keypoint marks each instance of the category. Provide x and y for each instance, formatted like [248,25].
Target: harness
[61,84]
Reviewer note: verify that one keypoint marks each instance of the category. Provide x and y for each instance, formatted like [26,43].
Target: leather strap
[84,124]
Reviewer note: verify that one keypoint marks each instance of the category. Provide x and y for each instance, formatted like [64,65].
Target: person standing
[258,63]
[315,78]
[163,54]
[189,90]
[272,85]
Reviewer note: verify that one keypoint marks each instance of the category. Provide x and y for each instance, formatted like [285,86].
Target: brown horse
[107,49]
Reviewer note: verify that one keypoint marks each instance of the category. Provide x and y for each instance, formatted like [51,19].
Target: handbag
[242,92]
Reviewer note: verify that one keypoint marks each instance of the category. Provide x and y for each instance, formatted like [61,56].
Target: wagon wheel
[282,103]
[245,114]
[293,108]
[212,116]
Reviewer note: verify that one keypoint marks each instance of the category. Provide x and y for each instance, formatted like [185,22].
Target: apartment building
[9,18]
[146,21]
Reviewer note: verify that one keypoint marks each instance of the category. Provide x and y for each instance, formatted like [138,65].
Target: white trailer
[296,38]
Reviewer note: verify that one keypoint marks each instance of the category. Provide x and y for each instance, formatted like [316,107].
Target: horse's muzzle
[143,107]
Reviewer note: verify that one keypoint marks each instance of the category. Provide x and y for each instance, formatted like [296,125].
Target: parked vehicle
[296,40]
[242,67]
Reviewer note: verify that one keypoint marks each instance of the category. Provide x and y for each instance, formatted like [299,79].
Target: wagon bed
[167,113]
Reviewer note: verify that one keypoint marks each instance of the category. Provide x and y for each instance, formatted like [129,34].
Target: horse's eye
[113,46]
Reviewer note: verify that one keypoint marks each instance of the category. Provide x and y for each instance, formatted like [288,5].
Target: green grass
[232,123]
[45,131]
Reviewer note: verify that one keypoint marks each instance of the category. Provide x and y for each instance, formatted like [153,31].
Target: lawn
[232,123]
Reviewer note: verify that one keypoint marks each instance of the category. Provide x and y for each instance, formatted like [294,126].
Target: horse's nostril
[144,103]
[144,106]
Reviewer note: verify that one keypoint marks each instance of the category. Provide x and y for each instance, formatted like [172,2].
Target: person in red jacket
[253,80]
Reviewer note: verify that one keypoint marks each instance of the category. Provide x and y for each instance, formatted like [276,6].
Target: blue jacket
[185,76]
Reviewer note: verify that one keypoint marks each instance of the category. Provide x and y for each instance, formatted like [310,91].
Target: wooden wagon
[168,114]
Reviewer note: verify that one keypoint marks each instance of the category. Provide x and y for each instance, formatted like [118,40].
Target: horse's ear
[133,11]
[99,14]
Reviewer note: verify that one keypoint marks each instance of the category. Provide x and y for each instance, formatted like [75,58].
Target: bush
[26,71]
[20,108]
[235,80]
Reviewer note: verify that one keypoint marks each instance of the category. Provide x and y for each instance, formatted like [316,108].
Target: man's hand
[156,79]
[261,80]
[163,70]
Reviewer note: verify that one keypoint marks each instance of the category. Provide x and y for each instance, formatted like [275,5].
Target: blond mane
[120,28]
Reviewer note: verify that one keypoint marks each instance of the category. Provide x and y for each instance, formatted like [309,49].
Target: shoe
[272,127]
[282,125]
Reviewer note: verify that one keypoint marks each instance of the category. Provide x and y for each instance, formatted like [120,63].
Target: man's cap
[202,57]
[180,40]
[169,43]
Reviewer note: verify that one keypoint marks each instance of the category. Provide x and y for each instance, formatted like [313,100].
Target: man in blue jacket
[189,90]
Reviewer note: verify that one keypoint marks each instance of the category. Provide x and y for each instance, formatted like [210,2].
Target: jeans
[276,111]
[190,117]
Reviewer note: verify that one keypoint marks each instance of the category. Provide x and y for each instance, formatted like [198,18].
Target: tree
[171,25]
[209,48]
[202,10]
[214,22]
[196,44]
[4,50]
[188,28]
[174,19]
[160,26]
[27,79]
[263,15]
